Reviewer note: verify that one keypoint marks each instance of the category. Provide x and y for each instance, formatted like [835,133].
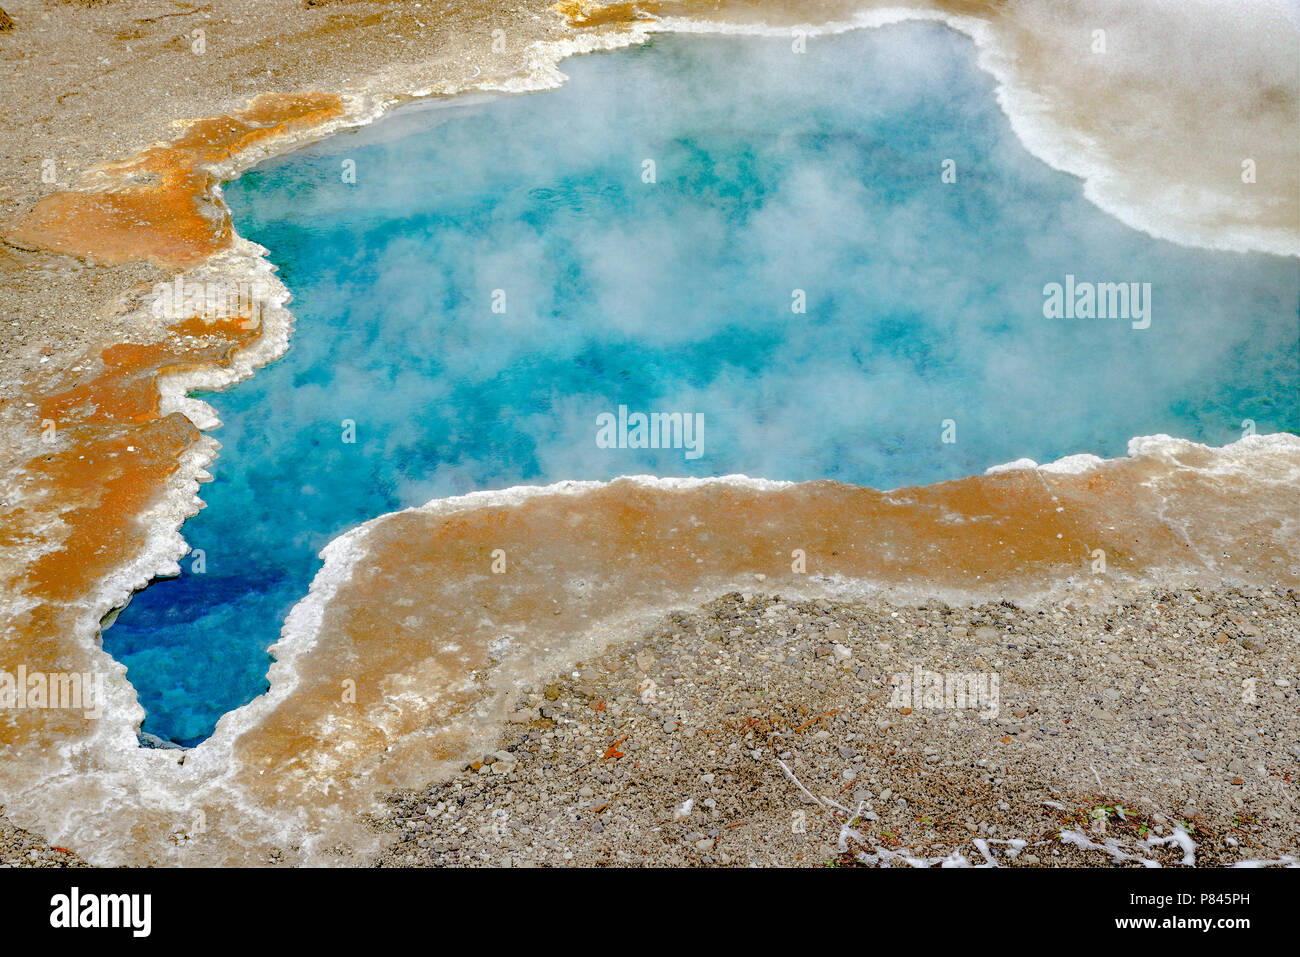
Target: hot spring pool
[503,271]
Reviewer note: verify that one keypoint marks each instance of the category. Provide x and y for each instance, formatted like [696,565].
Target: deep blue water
[774,172]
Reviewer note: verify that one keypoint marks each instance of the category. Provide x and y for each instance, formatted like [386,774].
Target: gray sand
[19,848]
[1148,699]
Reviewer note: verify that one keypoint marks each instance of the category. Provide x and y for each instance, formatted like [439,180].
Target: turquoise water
[774,172]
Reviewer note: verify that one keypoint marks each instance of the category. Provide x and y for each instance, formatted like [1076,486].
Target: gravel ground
[1126,725]
[19,848]
[1122,728]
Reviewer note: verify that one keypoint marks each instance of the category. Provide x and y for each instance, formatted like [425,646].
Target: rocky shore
[1166,729]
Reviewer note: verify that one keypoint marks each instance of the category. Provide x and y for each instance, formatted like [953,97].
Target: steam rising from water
[1158,117]
[775,172]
